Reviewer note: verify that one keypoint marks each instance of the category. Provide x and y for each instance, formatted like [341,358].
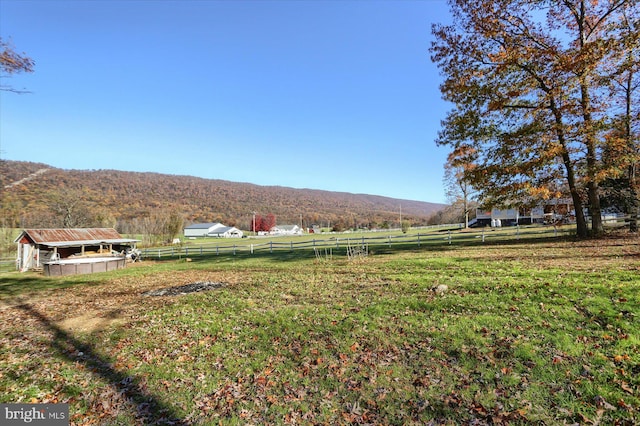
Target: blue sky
[331,95]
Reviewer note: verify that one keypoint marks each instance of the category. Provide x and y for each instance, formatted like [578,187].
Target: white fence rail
[344,242]
[338,243]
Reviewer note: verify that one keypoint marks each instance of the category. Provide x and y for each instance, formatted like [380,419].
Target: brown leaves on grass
[342,365]
[47,337]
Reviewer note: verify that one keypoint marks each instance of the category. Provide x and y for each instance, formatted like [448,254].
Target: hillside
[37,195]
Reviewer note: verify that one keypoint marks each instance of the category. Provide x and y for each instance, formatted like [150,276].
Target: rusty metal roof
[73,236]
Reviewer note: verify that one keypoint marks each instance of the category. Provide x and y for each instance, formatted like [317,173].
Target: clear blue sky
[332,95]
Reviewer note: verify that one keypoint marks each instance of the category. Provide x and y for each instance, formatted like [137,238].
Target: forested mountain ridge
[38,195]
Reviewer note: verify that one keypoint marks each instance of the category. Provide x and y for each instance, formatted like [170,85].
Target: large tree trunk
[593,188]
[633,204]
[582,230]
[597,228]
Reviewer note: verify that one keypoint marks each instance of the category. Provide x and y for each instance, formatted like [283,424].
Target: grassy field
[537,332]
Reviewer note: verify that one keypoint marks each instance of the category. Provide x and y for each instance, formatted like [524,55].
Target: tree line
[546,103]
[142,203]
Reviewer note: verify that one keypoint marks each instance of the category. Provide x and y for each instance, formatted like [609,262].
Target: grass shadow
[16,283]
[146,407]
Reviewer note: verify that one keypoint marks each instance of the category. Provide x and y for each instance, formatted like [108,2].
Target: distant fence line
[454,235]
[345,242]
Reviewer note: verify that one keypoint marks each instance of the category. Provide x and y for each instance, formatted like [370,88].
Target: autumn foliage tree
[71,208]
[263,224]
[12,63]
[621,155]
[528,80]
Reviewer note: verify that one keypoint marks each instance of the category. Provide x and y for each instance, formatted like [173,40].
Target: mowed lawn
[539,332]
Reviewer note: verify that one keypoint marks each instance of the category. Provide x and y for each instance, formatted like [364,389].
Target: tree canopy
[458,189]
[542,90]
[11,63]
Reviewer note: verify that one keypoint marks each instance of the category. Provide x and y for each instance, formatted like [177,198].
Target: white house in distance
[211,230]
[286,230]
[548,211]
[226,232]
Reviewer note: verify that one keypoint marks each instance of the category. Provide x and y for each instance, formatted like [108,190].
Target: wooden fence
[339,243]
[7,264]
[345,243]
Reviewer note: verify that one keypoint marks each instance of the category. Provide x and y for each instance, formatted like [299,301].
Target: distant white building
[497,217]
[286,230]
[226,232]
[212,230]
[201,229]
[547,211]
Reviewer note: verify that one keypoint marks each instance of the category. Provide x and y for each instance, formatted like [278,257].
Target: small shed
[72,251]
[201,229]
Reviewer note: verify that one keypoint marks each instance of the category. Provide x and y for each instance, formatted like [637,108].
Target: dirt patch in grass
[91,321]
[93,306]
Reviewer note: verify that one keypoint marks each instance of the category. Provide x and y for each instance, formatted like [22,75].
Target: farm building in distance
[72,251]
[212,230]
[226,232]
[286,230]
[549,212]
[200,229]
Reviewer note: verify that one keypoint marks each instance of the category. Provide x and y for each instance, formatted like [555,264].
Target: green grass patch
[521,334]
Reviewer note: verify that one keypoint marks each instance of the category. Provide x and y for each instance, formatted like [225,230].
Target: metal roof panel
[203,225]
[77,236]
